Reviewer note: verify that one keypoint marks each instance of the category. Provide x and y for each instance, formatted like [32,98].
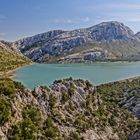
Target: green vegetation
[5,111]
[33,113]
[9,61]
[65,98]
[29,127]
[24,130]
[68,113]
[50,130]
[7,92]
[7,87]
[112,94]
[52,101]
[74,136]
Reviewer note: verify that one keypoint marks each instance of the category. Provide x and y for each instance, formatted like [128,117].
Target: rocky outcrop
[68,109]
[137,35]
[10,47]
[135,135]
[89,55]
[131,101]
[33,42]
[108,31]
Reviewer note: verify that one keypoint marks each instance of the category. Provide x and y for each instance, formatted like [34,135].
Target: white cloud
[114,6]
[123,12]
[86,19]
[124,6]
[70,21]
[128,17]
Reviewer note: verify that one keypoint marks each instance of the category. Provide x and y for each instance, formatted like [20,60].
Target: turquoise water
[97,73]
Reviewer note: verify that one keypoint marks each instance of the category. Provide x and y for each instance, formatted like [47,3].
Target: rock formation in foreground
[70,109]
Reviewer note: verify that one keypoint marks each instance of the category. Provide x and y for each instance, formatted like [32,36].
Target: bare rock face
[27,43]
[54,44]
[135,135]
[9,47]
[138,35]
[109,31]
[131,101]
[2,135]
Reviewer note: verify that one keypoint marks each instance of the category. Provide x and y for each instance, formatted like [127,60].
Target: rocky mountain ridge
[102,42]
[9,47]
[90,42]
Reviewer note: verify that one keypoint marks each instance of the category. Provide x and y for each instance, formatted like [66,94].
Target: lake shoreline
[12,73]
[92,62]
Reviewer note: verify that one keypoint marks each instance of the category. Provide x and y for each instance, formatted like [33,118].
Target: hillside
[69,109]
[104,41]
[10,58]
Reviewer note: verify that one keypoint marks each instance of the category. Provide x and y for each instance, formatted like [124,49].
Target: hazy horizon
[19,19]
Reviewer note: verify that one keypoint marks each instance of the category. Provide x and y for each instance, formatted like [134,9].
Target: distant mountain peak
[113,30]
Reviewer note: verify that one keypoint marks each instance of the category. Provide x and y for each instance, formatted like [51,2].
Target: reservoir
[96,73]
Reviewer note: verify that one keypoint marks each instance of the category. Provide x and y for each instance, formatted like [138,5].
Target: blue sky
[22,18]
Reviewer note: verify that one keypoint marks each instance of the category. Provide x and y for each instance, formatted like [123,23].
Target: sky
[23,18]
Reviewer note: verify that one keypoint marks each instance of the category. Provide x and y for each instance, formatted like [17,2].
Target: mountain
[9,47]
[105,41]
[138,35]
[69,109]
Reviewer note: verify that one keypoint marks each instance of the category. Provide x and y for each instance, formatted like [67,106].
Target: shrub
[7,87]
[4,110]
[50,130]
[24,130]
[46,88]
[65,98]
[71,91]
[52,101]
[74,136]
[33,113]
[112,121]
[29,127]
[19,86]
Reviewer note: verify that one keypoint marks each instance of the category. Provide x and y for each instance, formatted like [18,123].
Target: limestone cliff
[110,40]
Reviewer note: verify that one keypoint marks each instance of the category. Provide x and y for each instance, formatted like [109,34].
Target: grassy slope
[9,61]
